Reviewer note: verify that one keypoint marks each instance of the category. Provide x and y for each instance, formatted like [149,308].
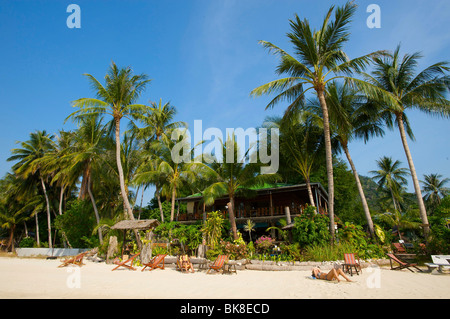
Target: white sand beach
[41,278]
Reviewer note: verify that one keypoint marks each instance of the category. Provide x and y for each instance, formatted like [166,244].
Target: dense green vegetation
[68,189]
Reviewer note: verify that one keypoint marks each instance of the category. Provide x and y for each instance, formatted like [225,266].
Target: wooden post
[288,215]
[112,249]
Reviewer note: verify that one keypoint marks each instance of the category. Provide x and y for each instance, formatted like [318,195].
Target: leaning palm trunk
[361,191]
[120,171]
[329,159]
[122,183]
[158,197]
[310,194]
[94,205]
[423,212]
[49,225]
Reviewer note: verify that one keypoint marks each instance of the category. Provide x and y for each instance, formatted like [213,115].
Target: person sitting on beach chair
[333,274]
[186,263]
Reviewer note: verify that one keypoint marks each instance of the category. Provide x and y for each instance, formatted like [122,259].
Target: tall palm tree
[231,178]
[118,99]
[352,117]
[39,144]
[89,145]
[434,189]
[391,176]
[319,58]
[399,89]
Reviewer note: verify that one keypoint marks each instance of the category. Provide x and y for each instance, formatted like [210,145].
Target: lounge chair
[218,263]
[399,248]
[127,263]
[76,260]
[155,262]
[402,264]
[351,261]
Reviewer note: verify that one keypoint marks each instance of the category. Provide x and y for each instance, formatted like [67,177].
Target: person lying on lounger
[333,274]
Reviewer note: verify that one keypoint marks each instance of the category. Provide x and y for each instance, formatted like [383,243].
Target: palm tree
[117,99]
[231,178]
[249,227]
[319,58]
[302,142]
[15,210]
[400,88]
[86,152]
[352,117]
[158,122]
[434,189]
[398,220]
[391,176]
[29,156]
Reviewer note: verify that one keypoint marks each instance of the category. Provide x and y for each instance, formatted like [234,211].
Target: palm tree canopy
[390,174]
[117,98]
[396,78]
[318,57]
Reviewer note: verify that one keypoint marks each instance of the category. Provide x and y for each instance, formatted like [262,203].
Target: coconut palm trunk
[158,197]
[172,209]
[94,205]
[360,190]
[310,194]
[422,210]
[120,171]
[49,223]
[231,216]
[328,157]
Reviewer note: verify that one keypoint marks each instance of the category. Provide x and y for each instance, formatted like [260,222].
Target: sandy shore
[40,278]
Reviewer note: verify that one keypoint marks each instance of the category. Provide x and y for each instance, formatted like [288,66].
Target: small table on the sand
[229,267]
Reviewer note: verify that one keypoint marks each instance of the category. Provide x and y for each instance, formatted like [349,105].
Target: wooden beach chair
[402,264]
[76,260]
[351,261]
[127,263]
[155,262]
[399,248]
[218,263]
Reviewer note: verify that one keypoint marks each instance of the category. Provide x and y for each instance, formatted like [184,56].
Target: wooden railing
[247,213]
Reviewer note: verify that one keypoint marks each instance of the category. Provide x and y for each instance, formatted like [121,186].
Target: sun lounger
[155,262]
[127,263]
[76,260]
[402,264]
[351,261]
[218,263]
[399,248]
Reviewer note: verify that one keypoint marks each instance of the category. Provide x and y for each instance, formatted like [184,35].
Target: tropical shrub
[264,244]
[311,229]
[78,223]
[234,250]
[212,229]
[27,242]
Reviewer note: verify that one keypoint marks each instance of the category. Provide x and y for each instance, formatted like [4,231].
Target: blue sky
[203,57]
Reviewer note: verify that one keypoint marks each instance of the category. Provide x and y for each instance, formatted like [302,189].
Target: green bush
[27,242]
[78,223]
[310,228]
